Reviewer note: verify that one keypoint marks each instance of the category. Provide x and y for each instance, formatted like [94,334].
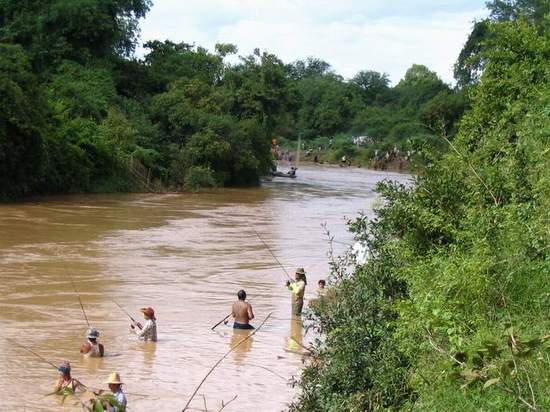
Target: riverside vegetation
[80,112]
[451,311]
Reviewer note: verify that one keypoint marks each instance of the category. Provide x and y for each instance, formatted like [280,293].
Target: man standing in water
[92,348]
[298,289]
[242,312]
[147,332]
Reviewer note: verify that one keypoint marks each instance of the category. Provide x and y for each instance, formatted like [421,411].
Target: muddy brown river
[186,255]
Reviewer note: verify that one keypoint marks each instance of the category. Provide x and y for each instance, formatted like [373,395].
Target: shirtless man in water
[242,312]
[91,348]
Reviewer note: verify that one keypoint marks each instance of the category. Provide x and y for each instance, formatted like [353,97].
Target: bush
[199,177]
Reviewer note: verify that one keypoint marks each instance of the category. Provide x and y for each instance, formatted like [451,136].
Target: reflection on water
[239,353]
[183,254]
[295,340]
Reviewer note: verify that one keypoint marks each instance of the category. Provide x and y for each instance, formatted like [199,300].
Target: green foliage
[102,403]
[82,114]
[375,87]
[327,106]
[198,177]
[51,30]
[78,91]
[452,307]
[22,125]
[470,62]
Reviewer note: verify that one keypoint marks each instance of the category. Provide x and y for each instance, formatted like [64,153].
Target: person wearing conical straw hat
[115,401]
[147,332]
[298,288]
[92,348]
[115,386]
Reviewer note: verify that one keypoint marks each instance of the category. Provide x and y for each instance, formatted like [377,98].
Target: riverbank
[398,164]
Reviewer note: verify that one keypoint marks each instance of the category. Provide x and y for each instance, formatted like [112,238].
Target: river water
[186,255]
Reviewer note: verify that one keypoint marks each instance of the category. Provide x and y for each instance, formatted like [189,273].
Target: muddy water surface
[185,255]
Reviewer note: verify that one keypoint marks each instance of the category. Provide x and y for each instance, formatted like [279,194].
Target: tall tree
[470,62]
[374,86]
[76,29]
[22,124]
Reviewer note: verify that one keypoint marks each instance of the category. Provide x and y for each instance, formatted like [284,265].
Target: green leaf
[98,406]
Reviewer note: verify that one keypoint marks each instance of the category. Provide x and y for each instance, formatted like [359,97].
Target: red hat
[149,312]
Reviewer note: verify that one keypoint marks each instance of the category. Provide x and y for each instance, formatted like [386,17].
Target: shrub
[199,177]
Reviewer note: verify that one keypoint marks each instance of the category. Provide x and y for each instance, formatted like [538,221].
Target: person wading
[115,386]
[66,382]
[298,288]
[147,332]
[242,312]
[112,401]
[92,348]
[321,288]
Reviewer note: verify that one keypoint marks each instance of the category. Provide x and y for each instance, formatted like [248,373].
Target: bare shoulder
[85,347]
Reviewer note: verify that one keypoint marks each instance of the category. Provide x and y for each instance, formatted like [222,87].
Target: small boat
[290,174]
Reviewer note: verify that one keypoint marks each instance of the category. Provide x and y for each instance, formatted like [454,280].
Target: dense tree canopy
[22,124]
[470,62]
[99,118]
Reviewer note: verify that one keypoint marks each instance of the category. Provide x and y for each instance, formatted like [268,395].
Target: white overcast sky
[352,35]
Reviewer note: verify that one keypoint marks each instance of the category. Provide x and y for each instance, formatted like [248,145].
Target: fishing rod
[33,352]
[217,324]
[125,312]
[57,368]
[80,301]
[272,254]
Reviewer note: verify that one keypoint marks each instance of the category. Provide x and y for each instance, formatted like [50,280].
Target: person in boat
[242,312]
[321,288]
[298,288]
[147,332]
[66,382]
[92,348]
[292,171]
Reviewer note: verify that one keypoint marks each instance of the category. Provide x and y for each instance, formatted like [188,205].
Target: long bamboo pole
[80,301]
[272,254]
[217,324]
[222,358]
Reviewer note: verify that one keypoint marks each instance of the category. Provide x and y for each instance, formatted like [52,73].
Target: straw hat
[149,312]
[114,379]
[300,271]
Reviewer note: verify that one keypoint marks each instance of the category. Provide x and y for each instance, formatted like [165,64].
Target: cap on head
[149,312]
[92,333]
[241,294]
[114,379]
[300,271]
[64,368]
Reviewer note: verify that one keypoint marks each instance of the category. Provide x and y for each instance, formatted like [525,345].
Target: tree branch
[225,404]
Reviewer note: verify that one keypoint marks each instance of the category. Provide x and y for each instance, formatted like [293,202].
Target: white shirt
[121,399]
[149,331]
